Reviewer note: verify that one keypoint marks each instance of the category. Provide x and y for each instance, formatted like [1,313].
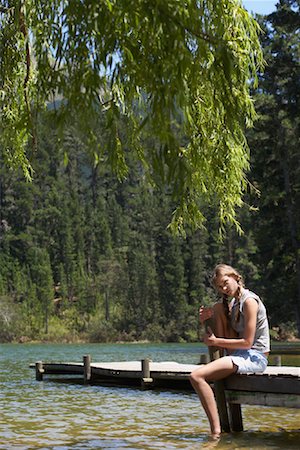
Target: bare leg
[221,325]
[200,378]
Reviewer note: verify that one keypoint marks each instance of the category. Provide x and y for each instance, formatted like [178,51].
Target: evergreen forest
[87,257]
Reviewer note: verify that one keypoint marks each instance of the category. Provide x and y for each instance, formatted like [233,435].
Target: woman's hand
[205,313]
[209,338]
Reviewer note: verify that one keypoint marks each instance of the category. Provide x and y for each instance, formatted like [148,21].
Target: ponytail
[237,304]
[226,308]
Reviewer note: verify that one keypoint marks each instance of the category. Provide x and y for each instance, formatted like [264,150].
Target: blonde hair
[221,270]
[225,269]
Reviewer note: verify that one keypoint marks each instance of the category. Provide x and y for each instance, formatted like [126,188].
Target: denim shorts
[249,361]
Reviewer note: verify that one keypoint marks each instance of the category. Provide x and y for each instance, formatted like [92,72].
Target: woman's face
[227,284]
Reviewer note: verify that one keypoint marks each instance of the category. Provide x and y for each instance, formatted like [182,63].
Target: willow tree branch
[24,31]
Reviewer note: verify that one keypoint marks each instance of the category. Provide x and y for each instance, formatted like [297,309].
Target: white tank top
[262,335]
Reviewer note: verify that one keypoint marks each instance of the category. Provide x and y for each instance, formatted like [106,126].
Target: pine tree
[275,156]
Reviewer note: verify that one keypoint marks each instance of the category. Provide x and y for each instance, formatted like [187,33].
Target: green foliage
[85,257]
[100,330]
[9,319]
[159,66]
[275,156]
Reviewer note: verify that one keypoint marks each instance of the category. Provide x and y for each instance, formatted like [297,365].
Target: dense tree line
[83,256]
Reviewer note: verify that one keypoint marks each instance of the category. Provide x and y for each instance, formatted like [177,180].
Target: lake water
[60,416]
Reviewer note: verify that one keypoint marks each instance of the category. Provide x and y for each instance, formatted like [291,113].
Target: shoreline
[25,340]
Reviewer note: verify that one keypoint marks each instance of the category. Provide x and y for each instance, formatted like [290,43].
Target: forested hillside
[84,256]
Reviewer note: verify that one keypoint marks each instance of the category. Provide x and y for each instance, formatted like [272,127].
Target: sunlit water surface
[61,416]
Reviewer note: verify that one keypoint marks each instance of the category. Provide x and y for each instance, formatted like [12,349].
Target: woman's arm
[205,312]
[250,316]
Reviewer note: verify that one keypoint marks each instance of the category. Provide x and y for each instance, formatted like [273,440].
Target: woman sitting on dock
[241,330]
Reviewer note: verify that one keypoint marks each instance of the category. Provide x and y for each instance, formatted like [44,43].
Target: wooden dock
[277,386]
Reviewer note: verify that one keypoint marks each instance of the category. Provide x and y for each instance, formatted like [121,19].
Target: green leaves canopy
[178,70]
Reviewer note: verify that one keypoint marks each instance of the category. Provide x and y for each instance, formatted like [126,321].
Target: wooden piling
[235,415]
[87,372]
[277,360]
[204,358]
[219,390]
[39,371]
[146,380]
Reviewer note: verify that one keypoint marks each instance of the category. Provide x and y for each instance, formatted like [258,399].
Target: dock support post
[220,397]
[204,358]
[214,353]
[39,371]
[236,418]
[87,372]
[146,381]
[277,360]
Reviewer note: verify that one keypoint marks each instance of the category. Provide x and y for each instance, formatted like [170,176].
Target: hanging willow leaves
[172,68]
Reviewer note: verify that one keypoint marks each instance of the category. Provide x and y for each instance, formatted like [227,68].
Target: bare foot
[215,436]
[213,441]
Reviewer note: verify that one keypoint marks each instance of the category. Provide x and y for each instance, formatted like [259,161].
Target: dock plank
[166,366]
[263,399]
